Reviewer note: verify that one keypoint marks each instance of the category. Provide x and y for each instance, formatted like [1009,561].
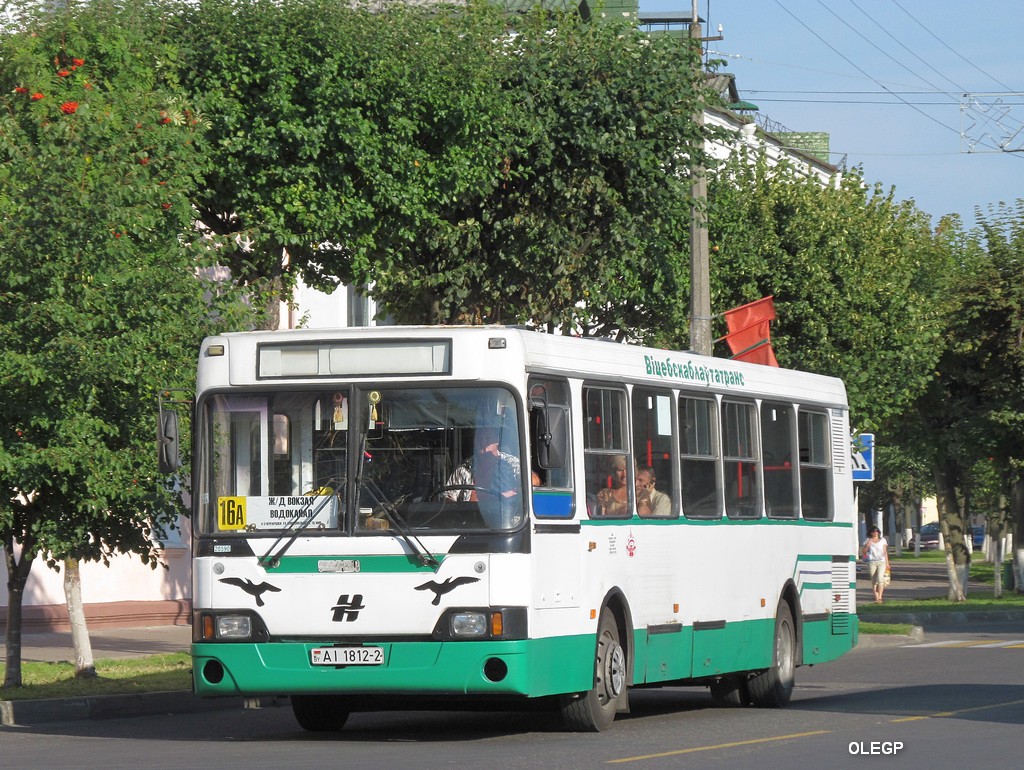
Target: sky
[887,79]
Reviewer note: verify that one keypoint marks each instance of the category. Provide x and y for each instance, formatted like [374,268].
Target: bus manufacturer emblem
[347,610]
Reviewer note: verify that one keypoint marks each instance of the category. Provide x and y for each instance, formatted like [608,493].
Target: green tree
[858,279]
[101,305]
[468,165]
[588,228]
[338,133]
[983,372]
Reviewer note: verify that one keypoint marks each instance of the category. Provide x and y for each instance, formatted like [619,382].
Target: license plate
[346,656]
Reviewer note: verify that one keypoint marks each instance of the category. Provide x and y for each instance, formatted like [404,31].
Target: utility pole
[700,262]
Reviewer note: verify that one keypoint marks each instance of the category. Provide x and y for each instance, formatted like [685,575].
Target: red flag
[759,350]
[749,337]
[743,316]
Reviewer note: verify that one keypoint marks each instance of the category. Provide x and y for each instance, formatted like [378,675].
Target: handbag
[887,578]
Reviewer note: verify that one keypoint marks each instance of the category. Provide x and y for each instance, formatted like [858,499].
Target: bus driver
[490,472]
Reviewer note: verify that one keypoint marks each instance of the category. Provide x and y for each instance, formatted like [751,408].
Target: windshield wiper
[380,502]
[294,528]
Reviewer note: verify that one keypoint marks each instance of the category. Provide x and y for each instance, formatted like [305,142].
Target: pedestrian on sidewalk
[875,552]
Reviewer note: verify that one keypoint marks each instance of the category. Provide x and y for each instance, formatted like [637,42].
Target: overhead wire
[948,47]
[895,94]
[962,89]
[900,43]
[878,48]
[861,70]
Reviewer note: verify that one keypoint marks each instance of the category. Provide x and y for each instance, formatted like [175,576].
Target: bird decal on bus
[255,590]
[449,584]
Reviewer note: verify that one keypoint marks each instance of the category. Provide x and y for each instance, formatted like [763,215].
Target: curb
[24,713]
[874,641]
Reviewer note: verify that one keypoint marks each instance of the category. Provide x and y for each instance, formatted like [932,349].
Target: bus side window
[699,461]
[550,449]
[742,488]
[607,460]
[815,465]
[550,425]
[654,448]
[777,450]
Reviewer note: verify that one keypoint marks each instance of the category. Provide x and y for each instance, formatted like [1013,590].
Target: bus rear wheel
[320,713]
[594,710]
[774,687]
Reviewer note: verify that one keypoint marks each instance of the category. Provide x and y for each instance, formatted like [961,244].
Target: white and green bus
[394,514]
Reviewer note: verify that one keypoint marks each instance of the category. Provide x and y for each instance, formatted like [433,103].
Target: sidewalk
[54,646]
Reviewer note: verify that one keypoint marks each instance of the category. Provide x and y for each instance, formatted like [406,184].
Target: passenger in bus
[490,472]
[649,501]
[614,500]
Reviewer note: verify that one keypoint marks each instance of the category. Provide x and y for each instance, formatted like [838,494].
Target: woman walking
[875,552]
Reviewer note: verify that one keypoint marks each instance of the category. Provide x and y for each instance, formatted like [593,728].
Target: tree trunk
[950,514]
[85,667]
[996,550]
[1017,519]
[17,572]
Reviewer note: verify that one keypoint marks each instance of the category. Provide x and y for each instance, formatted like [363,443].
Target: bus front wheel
[320,713]
[594,710]
[774,687]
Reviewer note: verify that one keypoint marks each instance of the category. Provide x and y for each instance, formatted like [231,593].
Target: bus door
[555,541]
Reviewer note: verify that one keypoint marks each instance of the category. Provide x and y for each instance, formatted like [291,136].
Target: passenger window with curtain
[780,472]
[654,450]
[815,466]
[739,461]
[606,457]
[698,450]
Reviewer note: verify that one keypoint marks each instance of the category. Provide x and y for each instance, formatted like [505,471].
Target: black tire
[594,710]
[730,691]
[774,687]
[320,713]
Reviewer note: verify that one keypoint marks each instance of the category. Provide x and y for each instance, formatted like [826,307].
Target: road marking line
[939,714]
[937,644]
[1007,643]
[977,644]
[717,746]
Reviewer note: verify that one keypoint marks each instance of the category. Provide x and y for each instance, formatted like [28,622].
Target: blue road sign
[864,457]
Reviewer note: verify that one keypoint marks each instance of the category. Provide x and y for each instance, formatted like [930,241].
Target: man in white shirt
[649,501]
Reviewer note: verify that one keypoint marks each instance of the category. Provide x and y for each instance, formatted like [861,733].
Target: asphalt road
[954,700]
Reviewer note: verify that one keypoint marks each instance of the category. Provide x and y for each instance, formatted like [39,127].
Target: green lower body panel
[821,642]
[532,668]
[726,648]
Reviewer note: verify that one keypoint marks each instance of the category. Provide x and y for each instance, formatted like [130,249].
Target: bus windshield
[422,459]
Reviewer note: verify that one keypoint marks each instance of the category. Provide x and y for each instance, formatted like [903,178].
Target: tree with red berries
[100,301]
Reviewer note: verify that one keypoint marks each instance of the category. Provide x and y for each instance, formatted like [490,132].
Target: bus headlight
[469,624]
[234,626]
[228,626]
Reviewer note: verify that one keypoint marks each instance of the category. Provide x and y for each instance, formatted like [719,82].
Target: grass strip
[115,676]
[886,629]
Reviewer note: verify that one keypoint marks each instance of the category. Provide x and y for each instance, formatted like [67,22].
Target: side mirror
[551,435]
[168,453]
